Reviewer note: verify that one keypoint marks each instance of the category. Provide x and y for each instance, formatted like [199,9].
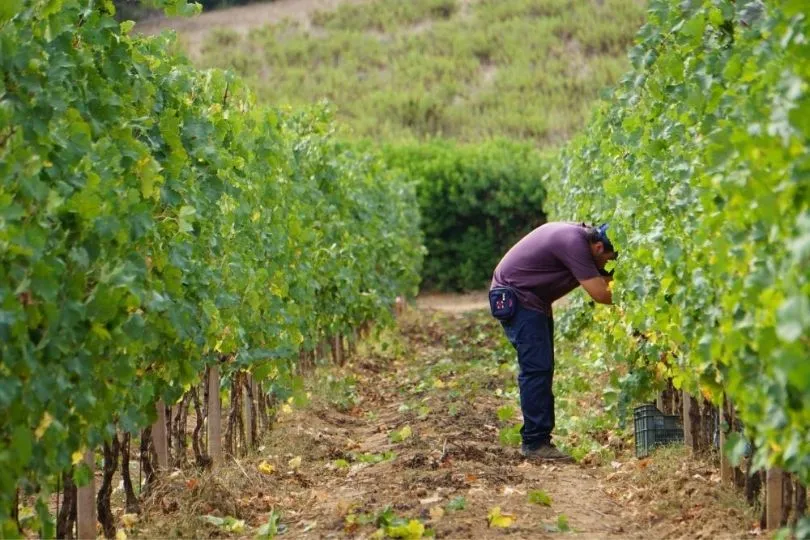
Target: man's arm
[598,289]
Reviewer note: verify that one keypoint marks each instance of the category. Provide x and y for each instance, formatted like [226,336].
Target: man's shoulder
[565,231]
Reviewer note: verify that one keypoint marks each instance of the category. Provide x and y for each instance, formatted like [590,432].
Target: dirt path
[416,435]
[193,30]
[453,303]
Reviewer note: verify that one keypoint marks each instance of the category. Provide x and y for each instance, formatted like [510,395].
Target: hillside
[468,70]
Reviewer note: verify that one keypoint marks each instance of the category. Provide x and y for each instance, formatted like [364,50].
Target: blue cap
[603,237]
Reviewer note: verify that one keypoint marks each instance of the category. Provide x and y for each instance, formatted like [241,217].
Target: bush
[476,201]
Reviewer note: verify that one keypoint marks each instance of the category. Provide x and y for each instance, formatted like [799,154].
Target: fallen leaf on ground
[436,513]
[401,435]
[413,530]
[538,496]
[227,524]
[498,519]
[295,462]
[129,520]
[430,500]
[266,468]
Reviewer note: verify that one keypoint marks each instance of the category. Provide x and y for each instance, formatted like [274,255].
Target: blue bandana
[602,231]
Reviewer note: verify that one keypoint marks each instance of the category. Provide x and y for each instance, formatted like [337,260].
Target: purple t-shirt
[547,264]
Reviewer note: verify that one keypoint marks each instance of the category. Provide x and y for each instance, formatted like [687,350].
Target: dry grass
[680,496]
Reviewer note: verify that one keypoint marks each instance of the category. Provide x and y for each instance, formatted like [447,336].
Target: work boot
[546,452]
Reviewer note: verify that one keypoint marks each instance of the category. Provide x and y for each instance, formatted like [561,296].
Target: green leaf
[186,217]
[736,448]
[510,436]
[457,504]
[793,318]
[127,26]
[22,442]
[9,8]
[271,528]
[81,474]
[505,413]
[401,435]
[538,496]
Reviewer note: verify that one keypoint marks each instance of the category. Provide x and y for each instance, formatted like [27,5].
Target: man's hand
[598,289]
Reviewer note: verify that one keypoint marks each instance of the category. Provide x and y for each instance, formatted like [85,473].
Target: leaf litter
[408,475]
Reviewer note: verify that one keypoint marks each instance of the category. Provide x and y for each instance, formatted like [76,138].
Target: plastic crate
[653,428]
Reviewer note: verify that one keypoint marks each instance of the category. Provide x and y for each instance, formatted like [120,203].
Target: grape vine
[155,220]
[700,160]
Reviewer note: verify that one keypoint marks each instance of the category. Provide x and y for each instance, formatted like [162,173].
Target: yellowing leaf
[266,468]
[120,535]
[402,434]
[295,462]
[286,409]
[129,520]
[101,332]
[235,526]
[413,530]
[497,519]
[438,383]
[76,457]
[44,424]
[227,524]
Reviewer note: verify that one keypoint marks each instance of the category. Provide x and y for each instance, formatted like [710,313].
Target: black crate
[653,428]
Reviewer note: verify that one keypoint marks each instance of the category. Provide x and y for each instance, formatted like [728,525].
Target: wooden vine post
[688,426]
[774,498]
[214,417]
[337,349]
[726,428]
[159,437]
[86,502]
[254,385]
[247,411]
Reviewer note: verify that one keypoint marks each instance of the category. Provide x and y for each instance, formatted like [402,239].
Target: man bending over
[543,266]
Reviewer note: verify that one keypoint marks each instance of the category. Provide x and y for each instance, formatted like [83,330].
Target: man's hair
[592,234]
[598,234]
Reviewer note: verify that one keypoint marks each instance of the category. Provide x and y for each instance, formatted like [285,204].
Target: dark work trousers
[532,335]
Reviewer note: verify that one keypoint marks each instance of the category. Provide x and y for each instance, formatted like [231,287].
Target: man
[545,265]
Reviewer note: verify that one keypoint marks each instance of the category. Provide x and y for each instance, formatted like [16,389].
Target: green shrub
[476,201]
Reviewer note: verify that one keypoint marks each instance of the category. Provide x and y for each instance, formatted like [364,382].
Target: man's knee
[535,357]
